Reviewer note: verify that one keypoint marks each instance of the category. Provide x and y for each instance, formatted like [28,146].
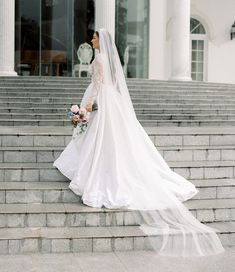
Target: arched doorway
[198,50]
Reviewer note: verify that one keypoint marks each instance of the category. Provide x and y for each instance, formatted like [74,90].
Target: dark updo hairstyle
[97,33]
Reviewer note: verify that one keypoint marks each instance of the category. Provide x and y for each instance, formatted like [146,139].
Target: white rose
[74,108]
[83,111]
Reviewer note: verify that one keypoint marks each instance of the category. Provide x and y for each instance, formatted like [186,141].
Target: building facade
[156,39]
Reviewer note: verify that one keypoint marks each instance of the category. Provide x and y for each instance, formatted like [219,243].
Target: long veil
[113,72]
[170,227]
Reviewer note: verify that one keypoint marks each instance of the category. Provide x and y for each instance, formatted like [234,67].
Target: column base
[8,73]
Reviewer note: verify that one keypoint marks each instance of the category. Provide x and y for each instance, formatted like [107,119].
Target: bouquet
[80,116]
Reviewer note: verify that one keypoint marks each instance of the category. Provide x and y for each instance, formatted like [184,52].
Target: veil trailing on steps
[171,228]
[117,165]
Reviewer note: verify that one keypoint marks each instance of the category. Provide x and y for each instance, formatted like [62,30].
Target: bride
[114,164]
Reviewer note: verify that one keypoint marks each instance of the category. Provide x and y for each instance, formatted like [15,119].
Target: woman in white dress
[114,164]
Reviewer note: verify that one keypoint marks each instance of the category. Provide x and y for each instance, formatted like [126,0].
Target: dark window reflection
[48,33]
[132,36]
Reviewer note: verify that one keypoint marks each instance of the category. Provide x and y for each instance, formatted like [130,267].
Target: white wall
[217,16]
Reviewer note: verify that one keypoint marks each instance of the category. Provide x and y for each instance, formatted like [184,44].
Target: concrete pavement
[139,261]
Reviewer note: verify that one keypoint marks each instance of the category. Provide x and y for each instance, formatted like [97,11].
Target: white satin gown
[114,163]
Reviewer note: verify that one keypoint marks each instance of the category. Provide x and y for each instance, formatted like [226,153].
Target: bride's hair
[97,33]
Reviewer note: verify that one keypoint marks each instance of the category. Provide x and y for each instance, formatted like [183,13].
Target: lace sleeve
[96,79]
[97,72]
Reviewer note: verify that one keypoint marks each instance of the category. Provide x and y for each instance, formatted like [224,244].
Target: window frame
[200,37]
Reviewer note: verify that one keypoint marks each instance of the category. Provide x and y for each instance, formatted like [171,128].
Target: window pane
[132,35]
[194,66]
[193,24]
[194,44]
[200,77]
[200,45]
[196,27]
[200,56]
[200,67]
[194,76]
[194,55]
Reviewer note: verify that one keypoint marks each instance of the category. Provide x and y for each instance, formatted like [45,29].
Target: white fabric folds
[115,164]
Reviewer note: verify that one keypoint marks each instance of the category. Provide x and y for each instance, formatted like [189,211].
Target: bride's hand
[89,107]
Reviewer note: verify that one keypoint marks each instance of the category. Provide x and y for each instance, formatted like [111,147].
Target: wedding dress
[115,164]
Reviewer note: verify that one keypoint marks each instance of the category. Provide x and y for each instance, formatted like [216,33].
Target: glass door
[27,37]
[48,34]
[132,36]
[56,38]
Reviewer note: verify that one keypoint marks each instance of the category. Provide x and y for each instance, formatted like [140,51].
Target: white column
[105,15]
[157,39]
[180,47]
[7,37]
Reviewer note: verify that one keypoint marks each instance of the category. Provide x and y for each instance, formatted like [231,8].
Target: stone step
[58,80]
[169,153]
[33,122]
[175,117]
[58,240]
[29,154]
[37,116]
[137,99]
[161,137]
[29,172]
[174,110]
[87,239]
[185,123]
[141,116]
[65,92]
[140,105]
[215,188]
[67,80]
[143,107]
[212,210]
[49,110]
[136,87]
[78,215]
[36,192]
[194,136]
[133,88]
[204,169]
[55,192]
[149,123]
[46,172]
[198,153]
[130,81]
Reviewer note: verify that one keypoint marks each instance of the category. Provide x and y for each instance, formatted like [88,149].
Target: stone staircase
[45,101]
[38,213]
